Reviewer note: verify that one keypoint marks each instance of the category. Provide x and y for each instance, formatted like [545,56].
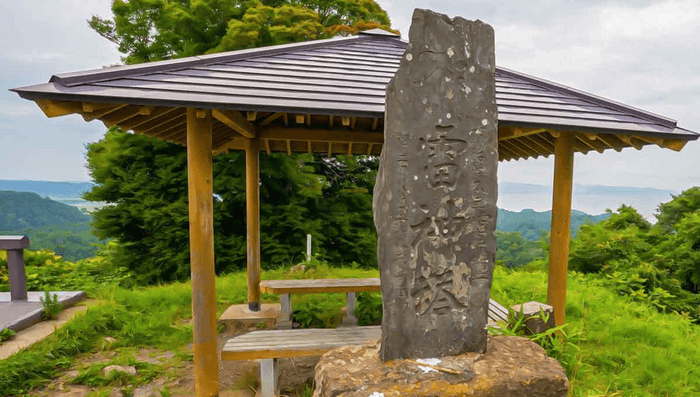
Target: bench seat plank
[295,342]
[315,286]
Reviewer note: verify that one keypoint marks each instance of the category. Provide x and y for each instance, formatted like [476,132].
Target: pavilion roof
[328,96]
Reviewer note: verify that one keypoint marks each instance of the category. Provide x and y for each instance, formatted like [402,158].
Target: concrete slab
[17,315]
[38,332]
[241,315]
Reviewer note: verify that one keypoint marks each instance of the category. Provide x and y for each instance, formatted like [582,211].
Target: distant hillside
[29,210]
[529,222]
[61,190]
[49,224]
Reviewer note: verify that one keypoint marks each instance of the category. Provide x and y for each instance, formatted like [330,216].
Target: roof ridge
[122,71]
[597,100]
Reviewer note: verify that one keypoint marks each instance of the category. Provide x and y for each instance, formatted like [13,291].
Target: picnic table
[350,286]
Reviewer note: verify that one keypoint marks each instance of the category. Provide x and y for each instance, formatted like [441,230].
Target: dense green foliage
[658,264]
[152,30]
[48,272]
[146,181]
[50,225]
[512,250]
[530,223]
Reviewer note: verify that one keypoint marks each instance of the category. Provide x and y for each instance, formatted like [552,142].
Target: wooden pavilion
[325,96]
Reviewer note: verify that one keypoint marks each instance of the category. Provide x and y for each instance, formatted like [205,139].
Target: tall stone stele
[435,197]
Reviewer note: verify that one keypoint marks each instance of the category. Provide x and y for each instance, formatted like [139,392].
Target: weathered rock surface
[435,196]
[119,368]
[512,366]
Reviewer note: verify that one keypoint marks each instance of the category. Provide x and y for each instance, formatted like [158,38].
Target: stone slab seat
[269,345]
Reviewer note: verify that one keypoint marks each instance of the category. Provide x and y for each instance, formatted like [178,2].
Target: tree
[669,214]
[152,30]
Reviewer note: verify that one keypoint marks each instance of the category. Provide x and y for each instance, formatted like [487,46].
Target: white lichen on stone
[484,122]
[375,394]
[409,57]
[448,115]
[450,52]
[472,69]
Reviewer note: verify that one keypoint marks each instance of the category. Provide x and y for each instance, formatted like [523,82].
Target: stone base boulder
[512,366]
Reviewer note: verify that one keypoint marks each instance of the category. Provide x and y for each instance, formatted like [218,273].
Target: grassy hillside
[45,188]
[51,225]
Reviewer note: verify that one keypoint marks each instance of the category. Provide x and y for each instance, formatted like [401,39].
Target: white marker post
[308,247]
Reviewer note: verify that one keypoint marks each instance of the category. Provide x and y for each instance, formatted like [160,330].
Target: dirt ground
[239,378]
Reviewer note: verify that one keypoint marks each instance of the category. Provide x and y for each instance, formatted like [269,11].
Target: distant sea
[591,199]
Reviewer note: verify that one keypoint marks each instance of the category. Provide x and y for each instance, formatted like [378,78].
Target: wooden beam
[330,121]
[585,141]
[98,113]
[630,141]
[330,149]
[300,118]
[308,120]
[531,148]
[203,113]
[353,121]
[320,135]
[561,221]
[285,119]
[59,108]
[236,121]
[267,146]
[270,119]
[164,121]
[545,147]
[369,149]
[505,133]
[201,215]
[349,148]
[553,133]
[507,154]
[164,127]
[92,107]
[375,123]
[515,149]
[252,191]
[608,141]
[251,116]
[346,121]
[289,147]
[673,144]
[308,143]
[138,121]
[125,114]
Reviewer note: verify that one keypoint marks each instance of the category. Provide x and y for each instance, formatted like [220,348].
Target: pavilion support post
[561,221]
[252,188]
[201,211]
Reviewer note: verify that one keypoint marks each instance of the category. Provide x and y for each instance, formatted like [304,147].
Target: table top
[321,285]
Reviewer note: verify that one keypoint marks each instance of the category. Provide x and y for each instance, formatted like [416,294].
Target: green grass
[614,347]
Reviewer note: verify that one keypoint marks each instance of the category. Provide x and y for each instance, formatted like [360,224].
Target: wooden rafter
[610,141]
[534,150]
[141,120]
[349,148]
[369,149]
[330,149]
[266,142]
[251,116]
[345,121]
[59,108]
[125,114]
[588,143]
[308,146]
[505,133]
[289,147]
[321,135]
[516,154]
[270,119]
[236,121]
[330,121]
[157,129]
[94,115]
[631,141]
[375,123]
[544,146]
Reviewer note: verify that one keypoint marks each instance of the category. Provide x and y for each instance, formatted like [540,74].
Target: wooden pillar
[561,221]
[201,209]
[252,198]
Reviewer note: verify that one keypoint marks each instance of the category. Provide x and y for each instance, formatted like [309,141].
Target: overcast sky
[641,53]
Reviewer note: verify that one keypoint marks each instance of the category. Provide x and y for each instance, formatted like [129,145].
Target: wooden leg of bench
[269,376]
[285,321]
[350,319]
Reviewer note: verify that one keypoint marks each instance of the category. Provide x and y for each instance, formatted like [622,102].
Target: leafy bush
[47,271]
[51,306]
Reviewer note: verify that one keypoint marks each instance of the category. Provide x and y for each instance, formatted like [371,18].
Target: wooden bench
[350,286]
[268,346]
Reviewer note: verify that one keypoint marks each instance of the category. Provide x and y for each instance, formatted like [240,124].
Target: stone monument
[435,196]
